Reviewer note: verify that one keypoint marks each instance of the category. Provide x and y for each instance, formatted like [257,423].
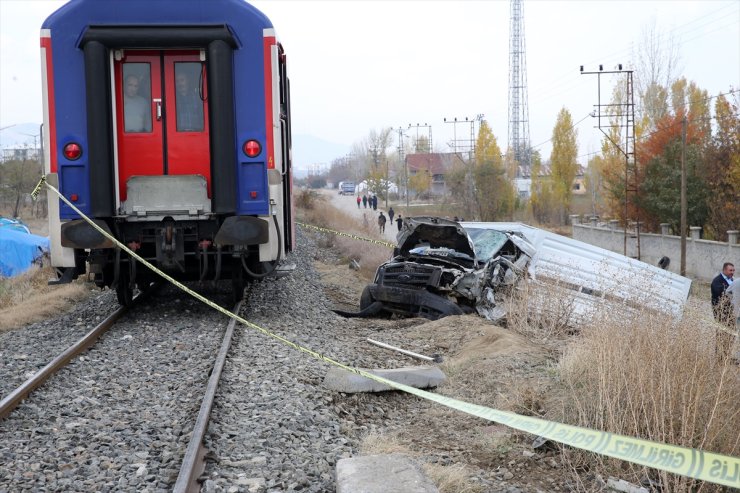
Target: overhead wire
[570,128]
[661,129]
[554,84]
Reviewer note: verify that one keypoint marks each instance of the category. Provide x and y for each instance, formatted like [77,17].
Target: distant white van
[346,188]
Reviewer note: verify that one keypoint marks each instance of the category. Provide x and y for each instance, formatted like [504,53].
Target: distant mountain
[20,135]
[309,151]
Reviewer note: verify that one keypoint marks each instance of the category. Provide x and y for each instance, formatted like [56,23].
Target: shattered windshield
[440,252]
[487,242]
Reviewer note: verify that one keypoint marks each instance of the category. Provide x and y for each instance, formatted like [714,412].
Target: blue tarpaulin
[18,250]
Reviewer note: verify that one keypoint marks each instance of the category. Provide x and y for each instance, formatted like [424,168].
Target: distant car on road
[346,188]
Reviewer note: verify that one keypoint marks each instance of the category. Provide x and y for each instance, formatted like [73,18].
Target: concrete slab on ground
[421,377]
[392,473]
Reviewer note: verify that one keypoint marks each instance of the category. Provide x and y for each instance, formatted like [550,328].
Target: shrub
[650,377]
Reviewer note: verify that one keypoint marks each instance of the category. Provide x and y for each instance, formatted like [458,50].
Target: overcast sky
[360,65]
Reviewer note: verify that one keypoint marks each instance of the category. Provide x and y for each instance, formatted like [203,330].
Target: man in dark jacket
[391,212]
[399,222]
[723,310]
[721,304]
[381,222]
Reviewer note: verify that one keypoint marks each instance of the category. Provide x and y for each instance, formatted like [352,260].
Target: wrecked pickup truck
[441,268]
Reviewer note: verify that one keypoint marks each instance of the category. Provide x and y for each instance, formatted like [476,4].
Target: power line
[567,79]
[571,128]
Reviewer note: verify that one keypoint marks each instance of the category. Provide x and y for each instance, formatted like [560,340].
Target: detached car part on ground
[442,268]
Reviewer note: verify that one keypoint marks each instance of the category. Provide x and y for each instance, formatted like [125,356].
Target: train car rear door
[161,115]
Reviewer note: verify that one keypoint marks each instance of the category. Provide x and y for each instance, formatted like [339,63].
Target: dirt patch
[342,285]
[470,337]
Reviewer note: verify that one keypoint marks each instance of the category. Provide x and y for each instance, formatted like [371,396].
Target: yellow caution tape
[37,189]
[348,235]
[693,463]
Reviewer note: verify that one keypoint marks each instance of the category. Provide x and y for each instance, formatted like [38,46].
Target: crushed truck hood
[433,233]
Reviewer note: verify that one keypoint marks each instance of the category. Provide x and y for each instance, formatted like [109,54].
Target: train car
[168,123]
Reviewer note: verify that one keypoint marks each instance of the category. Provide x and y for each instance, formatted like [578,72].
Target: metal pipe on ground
[435,358]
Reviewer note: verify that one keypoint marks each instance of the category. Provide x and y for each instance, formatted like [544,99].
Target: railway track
[131,400]
[193,463]
[14,398]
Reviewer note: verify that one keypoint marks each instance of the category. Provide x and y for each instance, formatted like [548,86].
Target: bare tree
[656,69]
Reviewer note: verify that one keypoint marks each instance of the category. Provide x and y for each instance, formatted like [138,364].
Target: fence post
[695,232]
[665,229]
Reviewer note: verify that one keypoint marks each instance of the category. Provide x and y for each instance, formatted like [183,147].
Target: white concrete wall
[704,258]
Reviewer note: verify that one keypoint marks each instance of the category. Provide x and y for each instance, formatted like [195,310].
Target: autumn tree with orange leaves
[722,171]
[658,198]
[712,156]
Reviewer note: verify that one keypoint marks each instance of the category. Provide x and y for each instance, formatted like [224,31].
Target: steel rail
[12,400]
[193,464]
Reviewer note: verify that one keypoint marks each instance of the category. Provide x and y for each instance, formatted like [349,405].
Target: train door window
[137,111]
[189,96]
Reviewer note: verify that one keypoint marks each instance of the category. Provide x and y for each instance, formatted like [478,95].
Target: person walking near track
[381,222]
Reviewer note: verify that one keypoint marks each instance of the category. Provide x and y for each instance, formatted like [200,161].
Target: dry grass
[316,210]
[650,377]
[631,371]
[539,311]
[451,479]
[27,298]
[376,443]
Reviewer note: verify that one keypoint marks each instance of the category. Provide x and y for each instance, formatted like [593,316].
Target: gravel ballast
[119,417]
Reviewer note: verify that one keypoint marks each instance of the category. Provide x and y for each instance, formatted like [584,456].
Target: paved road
[348,204]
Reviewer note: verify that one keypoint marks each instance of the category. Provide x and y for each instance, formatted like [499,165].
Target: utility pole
[386,184]
[35,145]
[683,195]
[466,145]
[454,133]
[402,160]
[429,136]
[625,112]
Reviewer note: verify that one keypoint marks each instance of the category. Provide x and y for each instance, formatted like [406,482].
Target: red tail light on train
[252,148]
[72,151]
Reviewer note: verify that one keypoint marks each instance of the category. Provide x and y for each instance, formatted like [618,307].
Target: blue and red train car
[168,123]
